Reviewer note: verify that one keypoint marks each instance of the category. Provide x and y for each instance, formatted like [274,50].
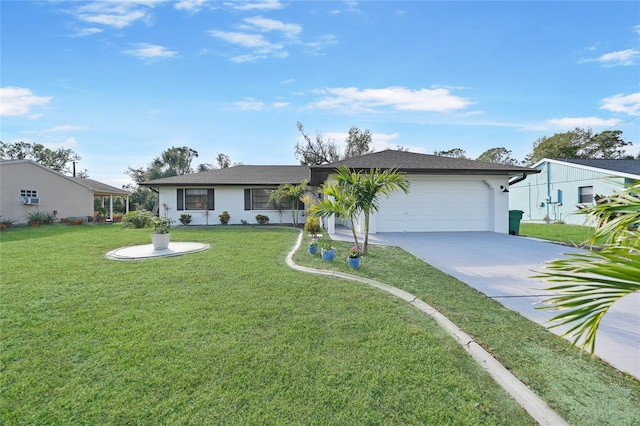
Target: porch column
[111,207]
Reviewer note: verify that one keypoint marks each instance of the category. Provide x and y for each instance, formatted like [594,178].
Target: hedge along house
[564,186]
[446,194]
[242,191]
[27,186]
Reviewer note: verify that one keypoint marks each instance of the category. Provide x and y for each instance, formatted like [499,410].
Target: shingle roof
[99,187]
[621,166]
[238,175]
[412,161]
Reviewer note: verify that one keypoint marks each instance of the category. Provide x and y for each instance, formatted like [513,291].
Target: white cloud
[249,104]
[619,58]
[151,51]
[192,6]
[280,104]
[15,101]
[260,5]
[260,46]
[83,32]
[396,98]
[117,14]
[265,24]
[321,43]
[636,29]
[628,104]
[570,123]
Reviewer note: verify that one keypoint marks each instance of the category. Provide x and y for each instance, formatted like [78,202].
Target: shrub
[243,222]
[137,219]
[224,217]
[185,219]
[36,217]
[262,219]
[312,226]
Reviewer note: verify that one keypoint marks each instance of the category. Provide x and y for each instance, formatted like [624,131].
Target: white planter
[160,241]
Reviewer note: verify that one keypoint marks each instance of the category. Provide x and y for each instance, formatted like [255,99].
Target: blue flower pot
[313,249]
[328,255]
[354,262]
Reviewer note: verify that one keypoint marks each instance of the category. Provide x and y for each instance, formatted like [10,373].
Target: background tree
[315,152]
[223,161]
[453,153]
[58,159]
[579,143]
[498,155]
[357,143]
[171,162]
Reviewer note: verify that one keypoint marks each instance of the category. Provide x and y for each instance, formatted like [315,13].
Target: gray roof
[621,166]
[238,175]
[99,188]
[412,162]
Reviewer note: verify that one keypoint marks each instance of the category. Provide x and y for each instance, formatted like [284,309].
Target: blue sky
[120,82]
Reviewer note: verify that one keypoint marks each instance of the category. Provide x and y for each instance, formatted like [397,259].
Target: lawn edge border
[521,393]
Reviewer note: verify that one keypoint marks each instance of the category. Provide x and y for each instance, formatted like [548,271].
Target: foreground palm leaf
[598,279]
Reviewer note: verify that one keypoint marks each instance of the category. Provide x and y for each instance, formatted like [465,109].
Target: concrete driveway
[501,267]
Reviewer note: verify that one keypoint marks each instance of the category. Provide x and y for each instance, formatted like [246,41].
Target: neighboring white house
[446,194]
[27,186]
[563,186]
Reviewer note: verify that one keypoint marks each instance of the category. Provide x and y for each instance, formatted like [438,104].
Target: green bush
[185,219]
[224,217]
[262,219]
[312,226]
[137,219]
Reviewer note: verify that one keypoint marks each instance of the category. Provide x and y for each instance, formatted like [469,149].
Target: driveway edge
[524,396]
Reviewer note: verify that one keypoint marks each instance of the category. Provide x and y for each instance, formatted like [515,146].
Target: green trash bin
[514,221]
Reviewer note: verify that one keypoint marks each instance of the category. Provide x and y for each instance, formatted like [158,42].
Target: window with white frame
[258,199]
[585,195]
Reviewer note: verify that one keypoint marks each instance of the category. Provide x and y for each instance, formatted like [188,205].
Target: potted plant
[313,246]
[185,218]
[6,223]
[353,257]
[161,236]
[328,252]
[36,218]
[312,226]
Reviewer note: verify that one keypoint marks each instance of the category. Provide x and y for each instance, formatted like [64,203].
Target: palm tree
[355,193]
[289,195]
[599,278]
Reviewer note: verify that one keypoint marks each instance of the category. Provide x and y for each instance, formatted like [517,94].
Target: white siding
[226,198]
[534,193]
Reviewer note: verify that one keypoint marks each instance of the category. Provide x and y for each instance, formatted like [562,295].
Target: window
[585,194]
[195,199]
[260,199]
[28,193]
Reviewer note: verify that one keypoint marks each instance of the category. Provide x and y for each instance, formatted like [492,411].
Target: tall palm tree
[599,278]
[290,195]
[355,193]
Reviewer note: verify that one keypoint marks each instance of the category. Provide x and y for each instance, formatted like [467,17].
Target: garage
[446,194]
[437,204]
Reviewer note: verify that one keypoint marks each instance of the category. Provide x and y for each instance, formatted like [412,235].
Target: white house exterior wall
[537,195]
[226,198]
[54,191]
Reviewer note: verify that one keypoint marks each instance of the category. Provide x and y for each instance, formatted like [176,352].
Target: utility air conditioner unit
[33,201]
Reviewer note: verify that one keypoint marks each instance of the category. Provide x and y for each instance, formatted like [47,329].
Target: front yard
[233,336]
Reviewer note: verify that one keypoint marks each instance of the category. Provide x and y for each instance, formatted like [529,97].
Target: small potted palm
[161,236]
[328,252]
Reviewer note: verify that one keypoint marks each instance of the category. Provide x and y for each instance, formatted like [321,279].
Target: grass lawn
[233,336]
[570,234]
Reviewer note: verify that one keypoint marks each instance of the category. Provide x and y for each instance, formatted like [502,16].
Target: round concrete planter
[160,241]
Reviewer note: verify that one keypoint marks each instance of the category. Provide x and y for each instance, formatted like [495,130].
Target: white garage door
[436,205]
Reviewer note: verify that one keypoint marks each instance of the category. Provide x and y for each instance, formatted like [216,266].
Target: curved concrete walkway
[524,396]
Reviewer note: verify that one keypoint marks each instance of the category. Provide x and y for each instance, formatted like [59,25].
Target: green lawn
[569,234]
[233,336]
